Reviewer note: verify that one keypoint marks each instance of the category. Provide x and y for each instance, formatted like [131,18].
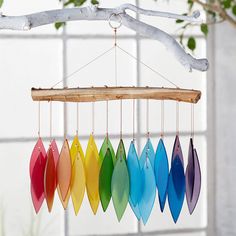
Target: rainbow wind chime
[126,178]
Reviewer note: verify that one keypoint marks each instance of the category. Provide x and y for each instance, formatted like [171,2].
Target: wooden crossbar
[94,94]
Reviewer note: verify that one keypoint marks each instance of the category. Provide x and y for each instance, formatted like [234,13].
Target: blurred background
[44,55]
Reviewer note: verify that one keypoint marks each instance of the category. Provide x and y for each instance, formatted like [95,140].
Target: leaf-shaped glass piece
[134,175]
[64,170]
[135,209]
[193,178]
[77,183]
[55,152]
[190,172]
[176,184]
[37,167]
[92,169]
[161,173]
[75,148]
[106,144]
[105,177]
[66,201]
[120,182]
[50,179]
[120,153]
[38,148]
[147,151]
[37,186]
[148,191]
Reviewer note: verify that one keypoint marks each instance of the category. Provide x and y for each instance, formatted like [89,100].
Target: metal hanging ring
[119,21]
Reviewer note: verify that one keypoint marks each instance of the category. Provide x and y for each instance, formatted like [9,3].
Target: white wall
[223,158]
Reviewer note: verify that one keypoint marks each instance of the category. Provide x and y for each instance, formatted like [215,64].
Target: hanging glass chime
[106,175]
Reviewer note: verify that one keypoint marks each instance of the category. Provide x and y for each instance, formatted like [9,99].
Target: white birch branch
[27,22]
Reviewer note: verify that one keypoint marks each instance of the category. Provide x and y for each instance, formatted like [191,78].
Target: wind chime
[108,175]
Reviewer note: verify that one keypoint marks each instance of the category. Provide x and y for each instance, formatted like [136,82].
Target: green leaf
[180,21]
[191,43]
[58,25]
[212,13]
[181,39]
[204,29]
[75,3]
[1,2]
[234,10]
[227,4]
[190,3]
[79,3]
[94,2]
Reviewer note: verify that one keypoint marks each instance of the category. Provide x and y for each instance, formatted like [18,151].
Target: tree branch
[193,18]
[217,8]
[27,22]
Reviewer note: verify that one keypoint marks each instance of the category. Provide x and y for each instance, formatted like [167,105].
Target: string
[121,119]
[116,78]
[192,120]
[133,120]
[147,66]
[50,120]
[107,119]
[147,127]
[162,118]
[115,45]
[93,106]
[39,117]
[177,118]
[77,118]
[147,118]
[82,67]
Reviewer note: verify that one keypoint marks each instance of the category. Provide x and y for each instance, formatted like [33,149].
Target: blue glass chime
[151,171]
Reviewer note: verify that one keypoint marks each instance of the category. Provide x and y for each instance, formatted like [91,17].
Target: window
[43,56]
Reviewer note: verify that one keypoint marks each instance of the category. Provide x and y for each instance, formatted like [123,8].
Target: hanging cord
[50,121]
[93,120]
[192,120]
[115,45]
[83,66]
[177,118]
[133,120]
[77,119]
[107,120]
[147,127]
[147,66]
[147,118]
[162,118]
[115,59]
[121,118]
[39,119]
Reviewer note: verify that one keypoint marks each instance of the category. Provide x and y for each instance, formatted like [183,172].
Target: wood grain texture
[115,93]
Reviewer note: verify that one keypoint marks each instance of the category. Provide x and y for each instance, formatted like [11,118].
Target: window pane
[156,55]
[27,64]
[100,73]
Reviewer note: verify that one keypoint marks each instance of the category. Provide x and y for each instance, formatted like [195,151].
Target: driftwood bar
[94,94]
